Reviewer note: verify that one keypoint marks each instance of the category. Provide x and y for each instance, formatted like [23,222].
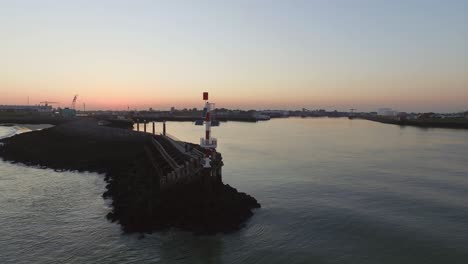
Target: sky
[249,54]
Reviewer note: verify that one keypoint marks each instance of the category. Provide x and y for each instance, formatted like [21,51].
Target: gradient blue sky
[409,55]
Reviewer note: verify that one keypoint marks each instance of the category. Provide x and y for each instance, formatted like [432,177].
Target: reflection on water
[332,191]
[190,249]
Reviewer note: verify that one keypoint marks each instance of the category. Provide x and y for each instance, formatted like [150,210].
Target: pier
[155,181]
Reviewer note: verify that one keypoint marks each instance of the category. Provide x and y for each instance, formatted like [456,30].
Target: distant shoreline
[32,122]
[140,119]
[432,123]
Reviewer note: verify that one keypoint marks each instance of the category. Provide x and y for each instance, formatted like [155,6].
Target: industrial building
[26,108]
[386,112]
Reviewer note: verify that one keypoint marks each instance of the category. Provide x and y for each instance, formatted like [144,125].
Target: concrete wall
[188,172]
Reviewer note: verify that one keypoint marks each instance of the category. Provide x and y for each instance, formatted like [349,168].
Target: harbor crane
[74,101]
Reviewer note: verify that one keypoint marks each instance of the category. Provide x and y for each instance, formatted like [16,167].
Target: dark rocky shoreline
[137,202]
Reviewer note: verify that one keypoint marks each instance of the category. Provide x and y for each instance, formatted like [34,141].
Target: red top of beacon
[205,96]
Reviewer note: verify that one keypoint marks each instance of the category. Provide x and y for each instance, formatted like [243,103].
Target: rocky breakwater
[138,202]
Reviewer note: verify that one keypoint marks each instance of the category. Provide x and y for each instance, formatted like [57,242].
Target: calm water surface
[332,191]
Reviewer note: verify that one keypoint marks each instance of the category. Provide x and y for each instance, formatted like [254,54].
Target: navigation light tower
[208,143]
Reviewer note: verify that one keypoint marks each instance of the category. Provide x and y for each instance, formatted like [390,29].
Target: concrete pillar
[164,128]
[220,176]
[144,125]
[154,131]
[138,125]
[171,176]
[207,179]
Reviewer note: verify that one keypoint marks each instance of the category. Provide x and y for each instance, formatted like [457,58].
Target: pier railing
[183,169]
[165,155]
[181,146]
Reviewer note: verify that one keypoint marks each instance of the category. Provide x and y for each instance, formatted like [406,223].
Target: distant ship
[260,117]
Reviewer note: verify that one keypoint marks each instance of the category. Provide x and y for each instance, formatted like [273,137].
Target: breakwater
[109,121]
[150,189]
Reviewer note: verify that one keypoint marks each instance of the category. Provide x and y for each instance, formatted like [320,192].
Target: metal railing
[181,144]
[165,155]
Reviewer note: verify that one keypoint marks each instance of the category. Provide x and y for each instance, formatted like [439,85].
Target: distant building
[455,115]
[275,113]
[402,116]
[426,116]
[387,112]
[68,113]
[466,114]
[412,116]
[26,108]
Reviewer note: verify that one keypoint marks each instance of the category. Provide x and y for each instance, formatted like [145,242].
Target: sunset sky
[408,55]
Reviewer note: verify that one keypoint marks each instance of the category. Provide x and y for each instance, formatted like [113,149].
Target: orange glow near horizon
[120,99]
[312,54]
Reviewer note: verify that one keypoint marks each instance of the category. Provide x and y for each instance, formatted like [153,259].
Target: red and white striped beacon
[208,143]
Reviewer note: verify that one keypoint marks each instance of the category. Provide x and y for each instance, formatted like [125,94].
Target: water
[332,191]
